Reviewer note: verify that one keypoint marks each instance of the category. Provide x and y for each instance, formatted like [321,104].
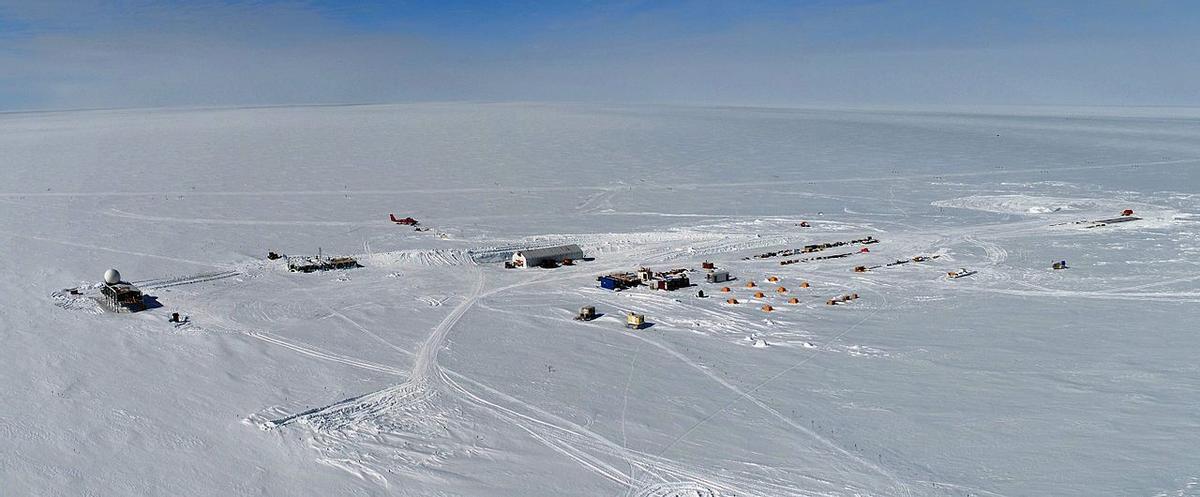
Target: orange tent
[725,289]
[750,284]
[731,301]
[781,290]
[793,300]
[804,285]
[758,295]
[767,308]
[772,279]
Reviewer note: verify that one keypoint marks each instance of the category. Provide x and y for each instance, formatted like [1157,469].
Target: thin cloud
[92,53]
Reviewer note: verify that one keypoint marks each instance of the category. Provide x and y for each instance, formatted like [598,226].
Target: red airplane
[408,221]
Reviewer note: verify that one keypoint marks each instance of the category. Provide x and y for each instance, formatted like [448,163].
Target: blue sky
[99,53]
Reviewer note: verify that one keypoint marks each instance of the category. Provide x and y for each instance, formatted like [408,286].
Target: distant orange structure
[804,284]
[725,289]
[781,290]
[773,279]
[731,301]
[750,284]
[767,308]
[758,295]
[793,300]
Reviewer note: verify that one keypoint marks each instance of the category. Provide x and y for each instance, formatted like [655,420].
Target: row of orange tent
[760,294]
[765,307]
[772,279]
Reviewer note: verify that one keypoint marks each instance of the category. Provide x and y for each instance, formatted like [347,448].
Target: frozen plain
[433,371]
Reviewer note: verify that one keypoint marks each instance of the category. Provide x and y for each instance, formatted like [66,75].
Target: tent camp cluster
[765,295]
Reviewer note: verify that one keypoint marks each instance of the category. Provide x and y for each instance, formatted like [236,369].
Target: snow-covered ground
[434,371]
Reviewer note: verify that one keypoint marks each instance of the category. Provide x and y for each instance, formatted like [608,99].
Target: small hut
[716,276]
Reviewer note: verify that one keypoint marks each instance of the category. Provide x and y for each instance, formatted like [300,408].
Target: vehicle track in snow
[681,489]
[742,394]
[113,250]
[420,385]
[995,254]
[317,353]
[656,466]
[425,368]
[154,284]
[748,395]
[594,452]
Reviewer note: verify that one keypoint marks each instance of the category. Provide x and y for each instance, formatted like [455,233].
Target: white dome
[112,276]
